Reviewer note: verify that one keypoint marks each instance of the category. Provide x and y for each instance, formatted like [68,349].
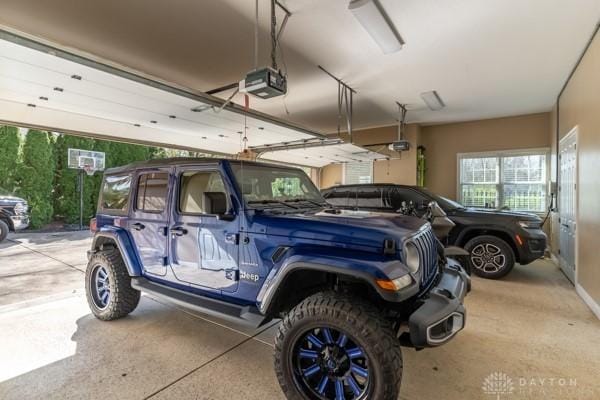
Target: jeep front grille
[426,244]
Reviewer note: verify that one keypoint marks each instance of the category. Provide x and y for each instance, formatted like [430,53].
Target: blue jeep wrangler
[251,242]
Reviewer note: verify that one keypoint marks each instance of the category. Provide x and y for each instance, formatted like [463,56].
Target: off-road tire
[3,230]
[358,319]
[124,299]
[505,249]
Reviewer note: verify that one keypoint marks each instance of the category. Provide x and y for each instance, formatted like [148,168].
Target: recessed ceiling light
[172,116]
[153,122]
[76,77]
[58,89]
[377,23]
[138,125]
[433,100]
[261,127]
[240,132]
[43,98]
[203,137]
[30,105]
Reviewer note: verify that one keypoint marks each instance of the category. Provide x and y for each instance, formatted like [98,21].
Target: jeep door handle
[138,227]
[178,231]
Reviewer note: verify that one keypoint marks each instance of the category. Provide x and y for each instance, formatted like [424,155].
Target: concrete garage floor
[531,327]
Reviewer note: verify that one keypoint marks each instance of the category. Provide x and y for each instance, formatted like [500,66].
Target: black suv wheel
[332,346]
[3,230]
[490,257]
[108,286]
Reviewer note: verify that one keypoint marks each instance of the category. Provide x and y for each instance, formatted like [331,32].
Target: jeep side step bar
[246,315]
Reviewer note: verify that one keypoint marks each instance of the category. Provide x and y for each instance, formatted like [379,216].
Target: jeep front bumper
[442,314]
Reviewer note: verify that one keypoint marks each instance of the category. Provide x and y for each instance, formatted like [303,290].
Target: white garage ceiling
[486,58]
[44,87]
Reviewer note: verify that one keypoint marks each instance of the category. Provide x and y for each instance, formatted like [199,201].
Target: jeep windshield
[269,186]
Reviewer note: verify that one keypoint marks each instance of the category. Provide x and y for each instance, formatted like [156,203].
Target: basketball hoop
[89,169]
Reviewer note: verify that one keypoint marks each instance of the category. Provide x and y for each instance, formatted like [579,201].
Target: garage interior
[514,78]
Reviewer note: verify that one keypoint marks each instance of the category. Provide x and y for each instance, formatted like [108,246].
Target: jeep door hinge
[232,274]
[232,238]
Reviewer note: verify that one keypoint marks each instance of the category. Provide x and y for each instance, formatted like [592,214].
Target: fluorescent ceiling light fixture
[377,23]
[433,100]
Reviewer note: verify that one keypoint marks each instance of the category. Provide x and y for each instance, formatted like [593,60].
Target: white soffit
[108,105]
[323,155]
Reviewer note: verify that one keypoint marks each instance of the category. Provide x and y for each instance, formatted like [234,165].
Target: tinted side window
[398,195]
[115,192]
[202,193]
[369,197]
[152,192]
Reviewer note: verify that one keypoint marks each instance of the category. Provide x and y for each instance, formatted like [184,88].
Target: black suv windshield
[443,202]
[275,185]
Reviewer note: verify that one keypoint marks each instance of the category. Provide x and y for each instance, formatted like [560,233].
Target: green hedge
[10,143]
[36,176]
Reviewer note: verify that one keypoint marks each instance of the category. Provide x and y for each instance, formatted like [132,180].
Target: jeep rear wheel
[490,257]
[332,346]
[108,286]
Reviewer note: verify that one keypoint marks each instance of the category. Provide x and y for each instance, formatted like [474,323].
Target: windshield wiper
[272,202]
[316,203]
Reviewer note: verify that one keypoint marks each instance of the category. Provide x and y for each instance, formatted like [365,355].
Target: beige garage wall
[579,106]
[399,169]
[444,142]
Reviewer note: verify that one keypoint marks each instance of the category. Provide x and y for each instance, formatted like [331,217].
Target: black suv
[495,239]
[13,214]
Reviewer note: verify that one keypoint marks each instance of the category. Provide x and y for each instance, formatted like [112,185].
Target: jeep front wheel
[490,257]
[332,346]
[108,286]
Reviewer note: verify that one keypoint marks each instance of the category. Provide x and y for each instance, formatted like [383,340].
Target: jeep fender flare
[367,270]
[121,240]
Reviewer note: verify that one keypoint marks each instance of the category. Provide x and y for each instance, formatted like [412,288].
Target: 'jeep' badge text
[249,276]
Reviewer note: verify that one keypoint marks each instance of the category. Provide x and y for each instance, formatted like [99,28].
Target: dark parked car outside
[495,239]
[13,214]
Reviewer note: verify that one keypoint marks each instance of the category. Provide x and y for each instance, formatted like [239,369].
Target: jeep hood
[342,228]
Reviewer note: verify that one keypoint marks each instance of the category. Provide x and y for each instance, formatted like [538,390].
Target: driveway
[528,329]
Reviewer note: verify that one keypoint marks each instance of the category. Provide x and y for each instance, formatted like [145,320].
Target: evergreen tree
[35,176]
[10,141]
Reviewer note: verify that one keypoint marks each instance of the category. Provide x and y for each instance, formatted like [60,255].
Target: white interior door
[567,203]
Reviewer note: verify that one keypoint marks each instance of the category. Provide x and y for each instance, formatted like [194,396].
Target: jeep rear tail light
[93,225]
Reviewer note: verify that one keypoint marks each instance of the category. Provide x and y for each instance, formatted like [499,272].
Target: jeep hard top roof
[178,161]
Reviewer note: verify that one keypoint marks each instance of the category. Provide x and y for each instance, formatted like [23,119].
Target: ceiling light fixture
[377,23]
[433,100]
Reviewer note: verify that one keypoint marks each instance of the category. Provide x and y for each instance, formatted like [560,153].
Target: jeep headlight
[411,257]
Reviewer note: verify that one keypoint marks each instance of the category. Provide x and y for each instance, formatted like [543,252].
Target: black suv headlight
[530,224]
[411,257]
[20,208]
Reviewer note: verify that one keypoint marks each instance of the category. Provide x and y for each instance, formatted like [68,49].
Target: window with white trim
[358,172]
[512,179]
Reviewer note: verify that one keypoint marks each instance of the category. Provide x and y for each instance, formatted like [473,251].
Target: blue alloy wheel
[328,364]
[100,287]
